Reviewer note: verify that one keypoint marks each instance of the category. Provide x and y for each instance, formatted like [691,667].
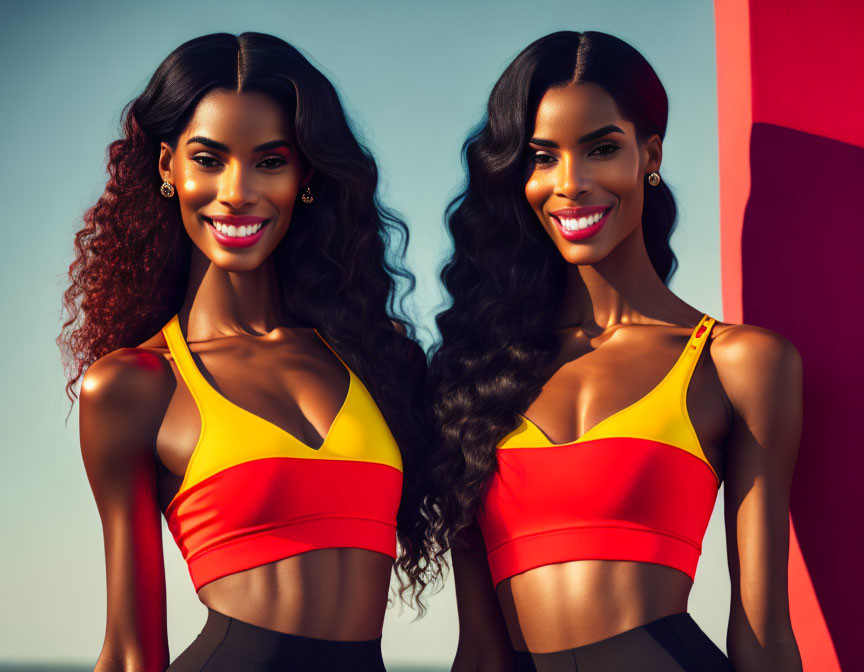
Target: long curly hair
[132,258]
[505,275]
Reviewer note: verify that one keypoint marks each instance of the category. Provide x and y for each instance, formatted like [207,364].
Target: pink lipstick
[236,230]
[582,222]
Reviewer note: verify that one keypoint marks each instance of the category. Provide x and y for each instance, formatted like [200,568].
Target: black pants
[228,645]
[670,644]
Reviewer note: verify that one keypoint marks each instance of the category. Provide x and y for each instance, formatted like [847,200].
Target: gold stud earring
[167,189]
[307,196]
[653,179]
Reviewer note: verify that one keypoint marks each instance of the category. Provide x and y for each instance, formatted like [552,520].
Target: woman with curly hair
[589,415]
[232,303]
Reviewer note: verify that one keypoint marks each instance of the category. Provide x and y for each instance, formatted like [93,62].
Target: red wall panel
[790,81]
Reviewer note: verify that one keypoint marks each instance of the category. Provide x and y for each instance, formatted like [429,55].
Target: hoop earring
[307,196]
[167,189]
[653,179]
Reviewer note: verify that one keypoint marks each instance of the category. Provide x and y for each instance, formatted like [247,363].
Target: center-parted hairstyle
[132,260]
[506,276]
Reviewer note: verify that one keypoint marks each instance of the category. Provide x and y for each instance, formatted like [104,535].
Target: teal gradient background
[414,79]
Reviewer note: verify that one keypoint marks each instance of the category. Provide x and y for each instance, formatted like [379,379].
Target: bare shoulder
[125,377]
[753,362]
[123,397]
[746,348]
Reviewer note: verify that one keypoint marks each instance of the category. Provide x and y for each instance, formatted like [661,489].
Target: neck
[621,288]
[221,303]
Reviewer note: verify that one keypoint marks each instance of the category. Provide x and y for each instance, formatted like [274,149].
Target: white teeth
[580,223]
[237,231]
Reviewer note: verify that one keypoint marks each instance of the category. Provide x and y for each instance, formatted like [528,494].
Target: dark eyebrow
[600,132]
[207,142]
[212,144]
[273,144]
[593,135]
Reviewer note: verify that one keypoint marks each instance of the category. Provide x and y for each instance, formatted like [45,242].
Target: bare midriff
[569,604]
[331,593]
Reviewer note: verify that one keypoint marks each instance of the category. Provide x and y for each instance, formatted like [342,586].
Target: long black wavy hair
[505,275]
[335,273]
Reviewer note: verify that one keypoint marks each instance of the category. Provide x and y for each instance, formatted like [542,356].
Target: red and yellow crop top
[637,486]
[254,494]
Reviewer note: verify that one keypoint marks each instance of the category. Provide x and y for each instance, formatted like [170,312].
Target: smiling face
[237,173]
[587,171]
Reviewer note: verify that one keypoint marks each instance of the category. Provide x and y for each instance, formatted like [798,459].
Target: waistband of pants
[259,642]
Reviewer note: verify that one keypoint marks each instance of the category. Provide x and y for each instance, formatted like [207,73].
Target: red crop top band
[254,494]
[637,486]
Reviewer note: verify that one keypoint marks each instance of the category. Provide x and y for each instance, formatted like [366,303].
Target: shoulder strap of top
[676,382]
[189,371]
[700,335]
[690,357]
[333,351]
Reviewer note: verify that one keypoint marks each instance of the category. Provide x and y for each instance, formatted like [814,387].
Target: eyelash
[281,161]
[537,156]
[612,145]
[204,161]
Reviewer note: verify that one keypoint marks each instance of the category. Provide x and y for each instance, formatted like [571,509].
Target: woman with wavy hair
[232,302]
[588,415]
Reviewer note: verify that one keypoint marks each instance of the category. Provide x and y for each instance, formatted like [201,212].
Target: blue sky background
[414,78]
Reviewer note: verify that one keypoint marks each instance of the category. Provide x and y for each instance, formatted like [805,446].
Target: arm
[484,645]
[120,395]
[761,373]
